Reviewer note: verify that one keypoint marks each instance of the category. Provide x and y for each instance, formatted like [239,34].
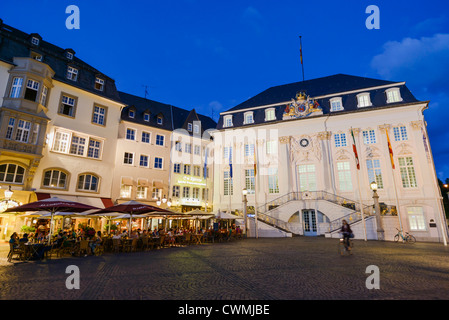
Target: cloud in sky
[253,18]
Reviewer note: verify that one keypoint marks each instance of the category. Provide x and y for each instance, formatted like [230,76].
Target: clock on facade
[304,143]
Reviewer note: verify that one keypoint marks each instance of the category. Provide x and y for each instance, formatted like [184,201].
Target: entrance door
[309,223]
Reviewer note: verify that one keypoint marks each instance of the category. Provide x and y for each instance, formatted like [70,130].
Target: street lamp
[8,194]
[245,210]
[380,230]
[164,199]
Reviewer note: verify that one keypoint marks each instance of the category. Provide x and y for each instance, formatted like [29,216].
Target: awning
[107,202]
[96,202]
[42,196]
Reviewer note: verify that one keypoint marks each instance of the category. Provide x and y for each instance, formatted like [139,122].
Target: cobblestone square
[296,268]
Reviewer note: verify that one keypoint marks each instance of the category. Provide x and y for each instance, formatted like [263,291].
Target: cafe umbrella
[53,206]
[133,208]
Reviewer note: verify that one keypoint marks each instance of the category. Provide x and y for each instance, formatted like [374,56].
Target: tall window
[188,148]
[160,140]
[307,177]
[407,172]
[187,169]
[144,161]
[272,147]
[186,192]
[344,176]
[44,94]
[416,218]
[369,137]
[273,181]
[160,120]
[249,118]
[156,194]
[176,192]
[16,87]
[130,134]
[77,146]
[270,115]
[249,150]
[227,183]
[99,115]
[55,179]
[393,95]
[177,168]
[250,181]
[88,182]
[31,90]
[67,106]
[23,131]
[128,158]
[196,193]
[141,192]
[145,137]
[99,84]
[11,173]
[62,140]
[94,149]
[72,73]
[158,163]
[227,121]
[227,151]
[363,100]
[375,172]
[336,104]
[10,128]
[400,133]
[196,171]
[340,140]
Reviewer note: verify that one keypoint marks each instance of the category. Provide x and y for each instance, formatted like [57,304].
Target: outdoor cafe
[66,228]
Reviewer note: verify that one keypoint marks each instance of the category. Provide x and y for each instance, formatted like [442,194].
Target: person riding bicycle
[346,231]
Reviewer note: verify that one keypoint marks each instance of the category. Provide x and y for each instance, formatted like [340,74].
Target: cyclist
[346,232]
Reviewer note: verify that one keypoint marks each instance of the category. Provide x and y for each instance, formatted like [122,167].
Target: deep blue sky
[211,55]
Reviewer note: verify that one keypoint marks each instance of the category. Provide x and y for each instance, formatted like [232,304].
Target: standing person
[346,231]
[97,241]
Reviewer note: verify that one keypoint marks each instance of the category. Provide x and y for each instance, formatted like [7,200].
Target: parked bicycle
[408,238]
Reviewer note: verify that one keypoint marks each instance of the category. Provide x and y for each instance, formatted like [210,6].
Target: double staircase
[355,215]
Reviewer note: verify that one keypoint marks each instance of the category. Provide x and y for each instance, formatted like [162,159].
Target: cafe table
[197,238]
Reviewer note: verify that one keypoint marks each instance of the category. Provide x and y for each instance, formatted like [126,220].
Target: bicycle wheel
[410,239]
[396,238]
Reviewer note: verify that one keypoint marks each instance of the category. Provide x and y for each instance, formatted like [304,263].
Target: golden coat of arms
[302,106]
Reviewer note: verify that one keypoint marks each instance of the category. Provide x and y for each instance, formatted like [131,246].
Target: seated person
[97,241]
[24,238]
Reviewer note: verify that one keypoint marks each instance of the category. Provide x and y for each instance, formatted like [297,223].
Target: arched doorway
[309,222]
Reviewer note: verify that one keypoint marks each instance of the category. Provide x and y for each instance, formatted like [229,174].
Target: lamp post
[380,230]
[8,194]
[245,210]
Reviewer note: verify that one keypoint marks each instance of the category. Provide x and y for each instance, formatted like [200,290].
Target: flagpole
[358,183]
[255,190]
[302,62]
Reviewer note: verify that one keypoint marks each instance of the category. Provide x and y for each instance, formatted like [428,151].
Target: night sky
[212,55]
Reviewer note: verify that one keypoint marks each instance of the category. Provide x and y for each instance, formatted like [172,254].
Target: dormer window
[36,56]
[336,104]
[393,95]
[146,117]
[131,113]
[72,73]
[270,114]
[35,41]
[99,84]
[227,121]
[364,100]
[249,118]
[69,55]
[189,127]
[160,120]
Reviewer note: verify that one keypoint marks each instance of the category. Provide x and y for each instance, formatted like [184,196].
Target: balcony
[21,147]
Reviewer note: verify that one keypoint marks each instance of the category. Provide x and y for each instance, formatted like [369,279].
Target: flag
[205,165]
[390,150]
[354,148]
[255,161]
[300,51]
[230,162]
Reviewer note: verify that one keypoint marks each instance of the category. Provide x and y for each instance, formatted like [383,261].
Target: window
[187,169]
[145,137]
[11,173]
[177,168]
[196,193]
[344,176]
[196,171]
[393,95]
[69,55]
[307,177]
[272,147]
[369,137]
[88,182]
[156,193]
[44,94]
[186,192]
[340,140]
[160,140]
[250,181]
[99,84]
[227,183]
[407,172]
[16,87]
[189,127]
[144,161]
[10,128]
[35,135]
[375,172]
[99,115]
[249,150]
[141,192]
[55,179]
[78,145]
[364,100]
[400,133]
[94,149]
[160,120]
[158,163]
[146,117]
[35,41]
[62,140]
[125,191]
[270,115]
[128,158]
[205,194]
[68,105]
[248,118]
[273,181]
[23,131]
[188,148]
[197,150]
[178,146]
[176,191]
[336,104]
[227,152]
[196,128]
[227,121]
[131,113]
[130,134]
[31,90]
[72,73]
[36,56]
[416,219]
